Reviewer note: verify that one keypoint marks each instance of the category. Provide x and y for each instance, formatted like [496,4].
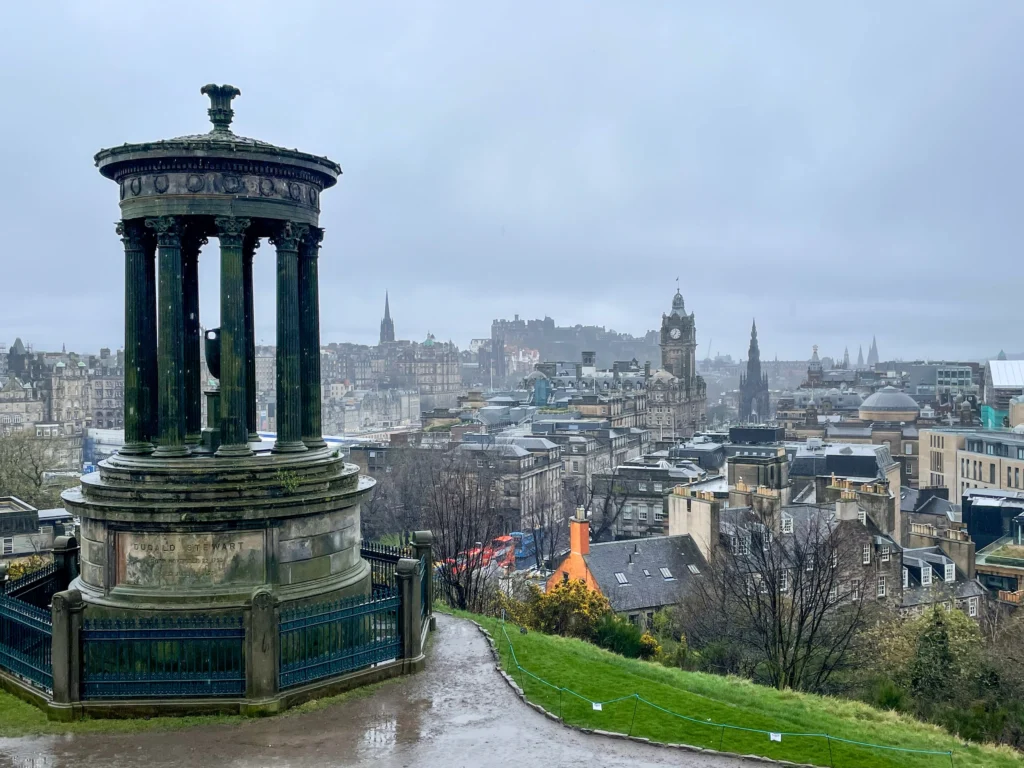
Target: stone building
[962,459]
[677,394]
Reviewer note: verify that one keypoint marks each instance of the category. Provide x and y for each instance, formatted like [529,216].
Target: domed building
[890,404]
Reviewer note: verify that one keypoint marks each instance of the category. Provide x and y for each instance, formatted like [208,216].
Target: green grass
[18,718]
[708,699]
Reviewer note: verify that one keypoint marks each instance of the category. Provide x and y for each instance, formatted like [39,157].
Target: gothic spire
[387,325]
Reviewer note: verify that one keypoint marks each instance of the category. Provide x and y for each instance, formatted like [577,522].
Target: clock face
[675,333]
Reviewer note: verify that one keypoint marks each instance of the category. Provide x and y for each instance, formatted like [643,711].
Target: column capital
[132,233]
[193,238]
[289,236]
[168,230]
[231,230]
[310,245]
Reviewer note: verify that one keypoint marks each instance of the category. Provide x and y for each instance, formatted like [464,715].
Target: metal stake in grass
[636,700]
[829,739]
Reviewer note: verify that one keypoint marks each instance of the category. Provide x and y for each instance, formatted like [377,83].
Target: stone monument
[186,517]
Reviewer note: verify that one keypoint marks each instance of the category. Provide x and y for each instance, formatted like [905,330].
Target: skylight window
[621,578]
[666,573]
[693,568]
[647,573]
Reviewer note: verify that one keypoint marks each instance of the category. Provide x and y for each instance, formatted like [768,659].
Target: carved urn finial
[220,110]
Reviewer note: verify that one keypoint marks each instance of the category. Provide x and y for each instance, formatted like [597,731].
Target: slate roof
[640,562]
[939,591]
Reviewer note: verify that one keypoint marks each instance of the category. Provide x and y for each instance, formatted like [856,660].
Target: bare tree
[604,497]
[460,506]
[25,464]
[550,525]
[782,596]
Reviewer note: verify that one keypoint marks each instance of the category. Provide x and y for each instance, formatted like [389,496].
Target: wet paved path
[459,712]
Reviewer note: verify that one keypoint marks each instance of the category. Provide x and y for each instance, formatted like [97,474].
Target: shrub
[570,608]
[649,647]
[618,635]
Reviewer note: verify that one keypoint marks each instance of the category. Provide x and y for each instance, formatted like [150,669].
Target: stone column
[137,437]
[233,410]
[192,240]
[408,575]
[150,369]
[66,656]
[249,247]
[309,339]
[289,393]
[171,338]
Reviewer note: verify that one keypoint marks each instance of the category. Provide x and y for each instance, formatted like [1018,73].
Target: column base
[136,449]
[295,446]
[241,449]
[171,451]
[314,443]
[193,439]
[255,438]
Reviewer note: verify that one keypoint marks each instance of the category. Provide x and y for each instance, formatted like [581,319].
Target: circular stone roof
[220,143]
[890,399]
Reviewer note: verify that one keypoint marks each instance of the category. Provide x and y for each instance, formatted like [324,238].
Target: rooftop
[1007,374]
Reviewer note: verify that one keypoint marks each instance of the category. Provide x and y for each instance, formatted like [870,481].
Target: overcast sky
[835,169]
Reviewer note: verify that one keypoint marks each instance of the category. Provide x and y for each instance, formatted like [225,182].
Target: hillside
[707,701]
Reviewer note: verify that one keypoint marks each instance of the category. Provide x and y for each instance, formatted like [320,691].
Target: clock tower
[679,341]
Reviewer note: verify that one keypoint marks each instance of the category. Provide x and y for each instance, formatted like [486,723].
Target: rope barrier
[514,661]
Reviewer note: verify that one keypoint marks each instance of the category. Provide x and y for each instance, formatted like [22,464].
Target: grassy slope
[601,676]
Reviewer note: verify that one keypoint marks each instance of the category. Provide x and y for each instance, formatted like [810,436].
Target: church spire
[387,325]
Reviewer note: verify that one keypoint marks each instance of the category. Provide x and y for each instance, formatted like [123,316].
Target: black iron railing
[383,562]
[26,638]
[335,638]
[140,658]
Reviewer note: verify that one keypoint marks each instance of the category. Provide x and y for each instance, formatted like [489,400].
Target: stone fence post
[65,557]
[409,625]
[262,641]
[66,652]
[422,542]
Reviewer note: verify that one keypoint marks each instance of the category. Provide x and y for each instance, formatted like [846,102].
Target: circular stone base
[202,533]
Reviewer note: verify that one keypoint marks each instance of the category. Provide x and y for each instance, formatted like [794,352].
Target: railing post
[408,575]
[263,657]
[66,652]
[422,542]
[65,557]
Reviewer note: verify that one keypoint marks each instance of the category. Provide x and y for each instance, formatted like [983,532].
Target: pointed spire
[387,325]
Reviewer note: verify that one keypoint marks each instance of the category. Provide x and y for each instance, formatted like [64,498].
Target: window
[8,546]
[862,517]
[658,487]
[885,554]
[784,581]
[641,486]
[627,512]
[866,554]
[950,572]
[881,586]
[972,607]
[659,514]
[647,574]
[575,466]
[744,544]
[642,512]
[992,473]
[810,562]
[835,557]
[787,524]
[621,577]
[693,569]
[926,575]
[906,578]
[855,590]
[833,594]
[666,573]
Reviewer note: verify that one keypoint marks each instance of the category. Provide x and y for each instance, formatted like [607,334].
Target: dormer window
[787,524]
[906,578]
[641,486]
[926,575]
[885,554]
[950,573]
[862,517]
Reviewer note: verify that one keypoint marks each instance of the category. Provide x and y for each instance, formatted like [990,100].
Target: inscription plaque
[190,559]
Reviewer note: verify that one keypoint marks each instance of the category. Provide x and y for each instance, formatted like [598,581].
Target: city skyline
[574,168]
